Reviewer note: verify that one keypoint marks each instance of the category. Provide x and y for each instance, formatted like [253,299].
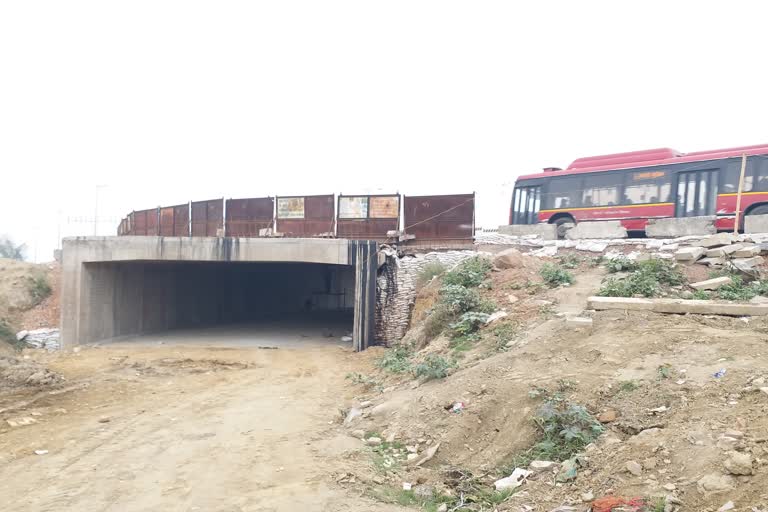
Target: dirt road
[185,428]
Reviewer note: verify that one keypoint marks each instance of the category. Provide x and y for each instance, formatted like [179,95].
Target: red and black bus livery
[637,186]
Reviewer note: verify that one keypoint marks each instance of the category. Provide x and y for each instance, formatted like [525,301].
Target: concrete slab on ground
[680,306]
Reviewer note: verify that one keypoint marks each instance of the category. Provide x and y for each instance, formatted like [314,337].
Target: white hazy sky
[158,102]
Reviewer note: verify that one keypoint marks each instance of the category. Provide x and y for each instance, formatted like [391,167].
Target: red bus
[641,185]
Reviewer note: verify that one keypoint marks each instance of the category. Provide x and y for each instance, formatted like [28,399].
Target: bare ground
[172,428]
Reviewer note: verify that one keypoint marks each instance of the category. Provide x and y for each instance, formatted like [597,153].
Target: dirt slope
[23,305]
[656,372]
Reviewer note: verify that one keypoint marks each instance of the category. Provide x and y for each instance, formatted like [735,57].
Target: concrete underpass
[236,291]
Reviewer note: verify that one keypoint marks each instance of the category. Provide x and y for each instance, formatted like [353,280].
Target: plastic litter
[513,481]
[609,503]
[41,452]
[719,373]
[457,407]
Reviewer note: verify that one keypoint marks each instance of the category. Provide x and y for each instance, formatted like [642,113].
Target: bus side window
[732,173]
[601,189]
[564,192]
[760,174]
[647,187]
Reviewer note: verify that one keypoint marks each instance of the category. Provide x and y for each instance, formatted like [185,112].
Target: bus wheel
[759,210]
[560,223]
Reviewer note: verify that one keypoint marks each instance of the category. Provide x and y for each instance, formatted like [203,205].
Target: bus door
[696,193]
[526,204]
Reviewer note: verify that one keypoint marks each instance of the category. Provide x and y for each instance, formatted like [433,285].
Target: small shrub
[470,273]
[429,272]
[468,323]
[504,333]
[440,318]
[459,298]
[665,271]
[635,284]
[738,290]
[700,295]
[620,264]
[396,360]
[464,343]
[645,280]
[570,261]
[628,386]
[433,367]
[38,287]
[6,333]
[566,429]
[664,371]
[554,275]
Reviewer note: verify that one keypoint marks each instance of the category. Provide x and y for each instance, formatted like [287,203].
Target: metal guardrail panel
[245,217]
[207,217]
[448,217]
[181,220]
[367,217]
[305,216]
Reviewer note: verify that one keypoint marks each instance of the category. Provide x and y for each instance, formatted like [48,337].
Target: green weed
[440,317]
[470,273]
[6,333]
[459,298]
[503,334]
[646,280]
[396,359]
[620,264]
[628,386]
[565,428]
[38,287]
[569,261]
[429,272]
[700,295]
[433,367]
[554,276]
[468,323]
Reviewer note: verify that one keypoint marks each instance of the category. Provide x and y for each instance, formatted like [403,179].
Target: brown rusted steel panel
[305,216]
[170,225]
[245,217]
[141,223]
[181,220]
[153,224]
[166,221]
[207,217]
[367,217]
[449,217]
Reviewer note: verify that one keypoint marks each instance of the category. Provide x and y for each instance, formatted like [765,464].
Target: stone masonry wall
[396,290]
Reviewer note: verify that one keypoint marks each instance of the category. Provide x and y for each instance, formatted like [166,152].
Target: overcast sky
[159,102]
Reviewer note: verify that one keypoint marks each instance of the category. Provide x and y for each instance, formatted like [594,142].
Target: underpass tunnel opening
[260,301]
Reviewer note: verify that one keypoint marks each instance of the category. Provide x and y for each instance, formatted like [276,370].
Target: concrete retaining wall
[683,226]
[597,229]
[756,224]
[545,231]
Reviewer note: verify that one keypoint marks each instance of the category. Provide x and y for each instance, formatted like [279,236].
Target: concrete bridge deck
[121,286]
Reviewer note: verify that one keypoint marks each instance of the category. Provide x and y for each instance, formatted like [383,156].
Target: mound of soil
[19,373]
